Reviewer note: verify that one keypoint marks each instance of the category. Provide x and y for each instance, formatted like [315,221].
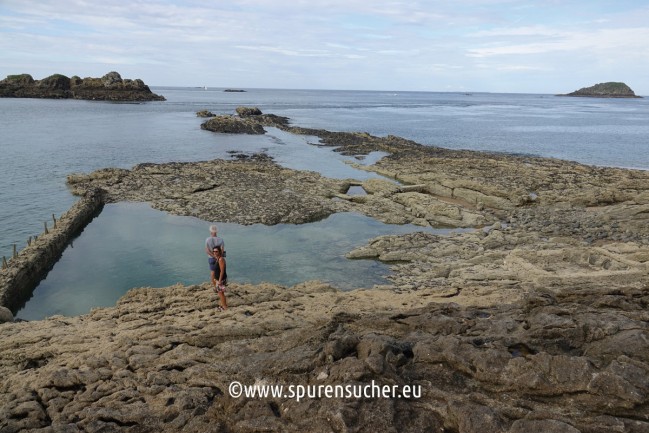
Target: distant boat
[205,88]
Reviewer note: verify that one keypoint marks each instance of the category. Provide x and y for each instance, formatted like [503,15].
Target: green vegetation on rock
[610,89]
[20,78]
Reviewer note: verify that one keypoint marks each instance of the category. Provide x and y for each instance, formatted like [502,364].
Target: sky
[513,46]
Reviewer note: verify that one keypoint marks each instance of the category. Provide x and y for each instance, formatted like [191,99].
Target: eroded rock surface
[535,321]
[247,191]
[163,360]
[543,221]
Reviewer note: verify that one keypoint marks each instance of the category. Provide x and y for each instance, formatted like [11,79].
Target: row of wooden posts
[29,242]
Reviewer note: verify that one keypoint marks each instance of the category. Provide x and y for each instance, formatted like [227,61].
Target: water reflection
[132,245]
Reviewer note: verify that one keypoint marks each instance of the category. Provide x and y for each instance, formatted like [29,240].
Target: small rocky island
[110,87]
[605,90]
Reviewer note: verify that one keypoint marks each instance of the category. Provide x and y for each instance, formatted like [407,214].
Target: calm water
[131,245]
[41,141]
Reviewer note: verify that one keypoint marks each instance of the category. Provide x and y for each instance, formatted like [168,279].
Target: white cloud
[518,31]
[285,51]
[328,43]
[624,42]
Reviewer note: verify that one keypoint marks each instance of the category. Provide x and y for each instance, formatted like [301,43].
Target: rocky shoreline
[537,321]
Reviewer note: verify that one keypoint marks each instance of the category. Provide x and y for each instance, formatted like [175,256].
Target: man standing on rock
[212,242]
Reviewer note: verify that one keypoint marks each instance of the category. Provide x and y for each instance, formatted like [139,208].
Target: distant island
[110,87]
[610,89]
[234,90]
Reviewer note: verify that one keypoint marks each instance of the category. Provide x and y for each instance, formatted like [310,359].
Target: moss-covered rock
[22,79]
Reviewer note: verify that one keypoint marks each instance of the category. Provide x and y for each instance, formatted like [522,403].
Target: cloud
[625,42]
[536,31]
[418,44]
[285,51]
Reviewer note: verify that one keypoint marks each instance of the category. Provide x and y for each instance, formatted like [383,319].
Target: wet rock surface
[537,320]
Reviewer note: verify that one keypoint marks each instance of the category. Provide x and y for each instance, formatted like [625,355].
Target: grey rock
[6,315]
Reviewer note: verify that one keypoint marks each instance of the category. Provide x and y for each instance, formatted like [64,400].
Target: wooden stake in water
[54,219]
[4,262]
[45,223]
[15,251]
[29,241]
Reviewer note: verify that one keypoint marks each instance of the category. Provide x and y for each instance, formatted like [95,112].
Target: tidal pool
[132,245]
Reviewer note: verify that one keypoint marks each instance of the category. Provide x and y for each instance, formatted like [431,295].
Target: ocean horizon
[244,89]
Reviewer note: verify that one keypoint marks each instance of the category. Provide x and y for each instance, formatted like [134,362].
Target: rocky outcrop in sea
[205,113]
[605,90]
[248,120]
[110,87]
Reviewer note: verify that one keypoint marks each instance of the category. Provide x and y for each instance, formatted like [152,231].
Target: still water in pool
[132,245]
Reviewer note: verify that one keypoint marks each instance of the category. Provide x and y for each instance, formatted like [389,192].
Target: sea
[132,245]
